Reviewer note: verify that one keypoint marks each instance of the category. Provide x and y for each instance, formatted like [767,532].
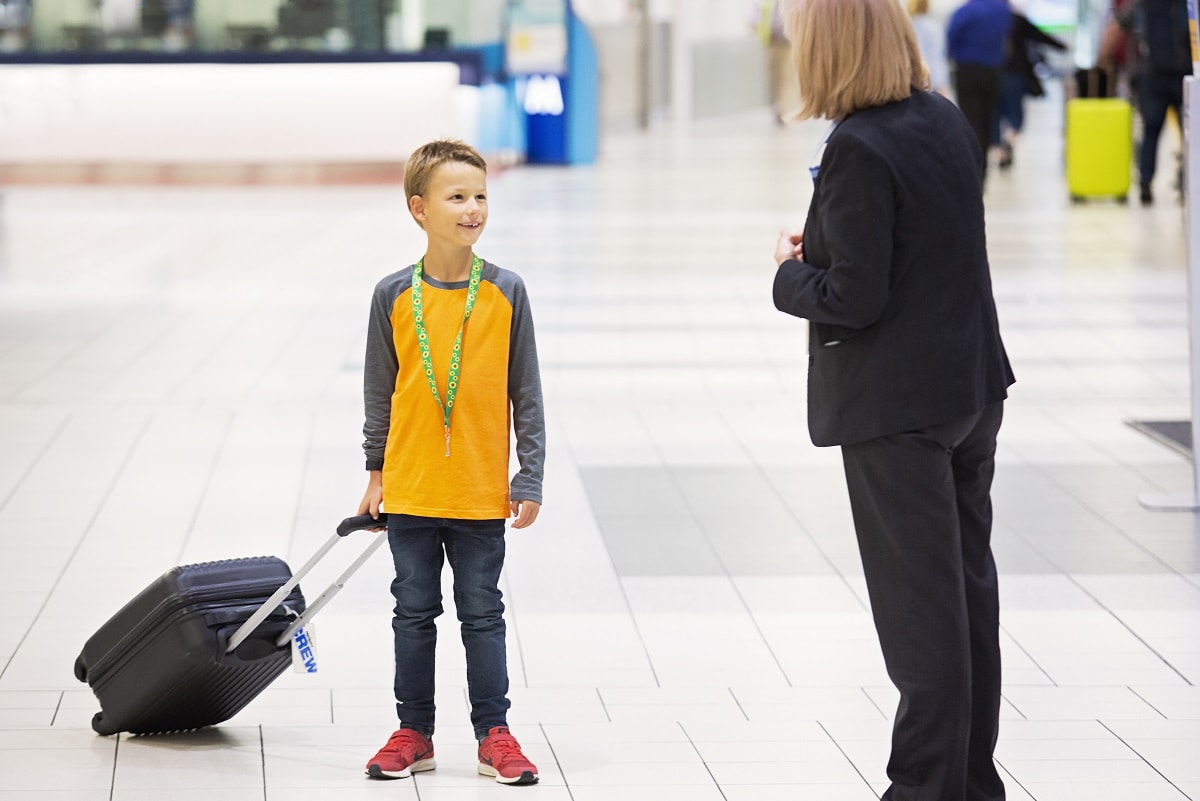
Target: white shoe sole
[526,777]
[376,772]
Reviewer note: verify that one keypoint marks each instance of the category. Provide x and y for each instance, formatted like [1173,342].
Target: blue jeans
[1156,94]
[1010,107]
[475,550]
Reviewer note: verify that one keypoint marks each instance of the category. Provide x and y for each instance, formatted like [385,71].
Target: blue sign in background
[560,101]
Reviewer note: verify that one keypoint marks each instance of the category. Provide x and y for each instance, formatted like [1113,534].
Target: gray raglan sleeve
[379,371]
[525,394]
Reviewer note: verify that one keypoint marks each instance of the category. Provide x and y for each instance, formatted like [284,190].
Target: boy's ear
[416,205]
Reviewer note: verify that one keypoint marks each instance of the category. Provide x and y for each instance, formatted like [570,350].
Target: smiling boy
[450,359]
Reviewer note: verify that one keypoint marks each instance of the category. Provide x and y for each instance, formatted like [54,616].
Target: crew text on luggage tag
[304,651]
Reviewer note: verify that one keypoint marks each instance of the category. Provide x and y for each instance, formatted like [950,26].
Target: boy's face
[453,209]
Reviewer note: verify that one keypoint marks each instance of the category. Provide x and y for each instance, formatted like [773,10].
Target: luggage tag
[304,650]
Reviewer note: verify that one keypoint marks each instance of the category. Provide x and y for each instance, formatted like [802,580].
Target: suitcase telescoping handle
[347,526]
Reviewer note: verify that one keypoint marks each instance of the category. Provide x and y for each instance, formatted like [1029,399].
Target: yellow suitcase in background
[1099,148]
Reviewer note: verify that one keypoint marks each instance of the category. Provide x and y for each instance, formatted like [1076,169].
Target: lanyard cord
[446,406]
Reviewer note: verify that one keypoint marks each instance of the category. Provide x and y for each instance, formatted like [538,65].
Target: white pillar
[681,61]
[1189,501]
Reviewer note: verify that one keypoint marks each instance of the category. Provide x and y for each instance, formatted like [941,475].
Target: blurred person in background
[1160,29]
[931,37]
[976,43]
[1118,53]
[766,18]
[907,374]
[180,24]
[14,24]
[1019,79]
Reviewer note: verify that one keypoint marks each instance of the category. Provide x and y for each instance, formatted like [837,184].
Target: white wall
[604,12]
[220,113]
[707,19]
[943,8]
[701,30]
[711,60]
[704,19]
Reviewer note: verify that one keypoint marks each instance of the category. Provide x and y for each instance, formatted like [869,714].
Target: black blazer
[895,283]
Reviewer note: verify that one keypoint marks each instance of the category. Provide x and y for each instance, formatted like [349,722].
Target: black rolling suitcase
[203,640]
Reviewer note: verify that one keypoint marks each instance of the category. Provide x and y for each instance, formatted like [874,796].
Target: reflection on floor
[180,381]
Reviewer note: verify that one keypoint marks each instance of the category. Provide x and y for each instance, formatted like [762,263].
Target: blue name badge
[814,167]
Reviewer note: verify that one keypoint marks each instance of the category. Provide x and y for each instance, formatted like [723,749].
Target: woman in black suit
[907,373]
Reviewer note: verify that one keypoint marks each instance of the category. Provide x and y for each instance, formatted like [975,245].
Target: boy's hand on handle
[789,246]
[373,497]
[525,513]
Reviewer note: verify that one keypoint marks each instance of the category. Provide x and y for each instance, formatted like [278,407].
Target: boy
[450,346]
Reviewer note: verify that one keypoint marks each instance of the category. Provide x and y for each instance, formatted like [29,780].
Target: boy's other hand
[525,513]
[373,497]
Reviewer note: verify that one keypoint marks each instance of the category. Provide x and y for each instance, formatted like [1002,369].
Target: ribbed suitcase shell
[1099,147]
[158,665]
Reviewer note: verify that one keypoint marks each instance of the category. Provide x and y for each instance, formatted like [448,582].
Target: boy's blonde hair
[918,7]
[423,163]
[853,54]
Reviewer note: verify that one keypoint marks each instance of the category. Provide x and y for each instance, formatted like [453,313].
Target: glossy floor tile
[180,381]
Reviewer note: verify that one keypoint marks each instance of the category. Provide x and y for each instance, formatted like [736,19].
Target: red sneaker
[500,756]
[407,751]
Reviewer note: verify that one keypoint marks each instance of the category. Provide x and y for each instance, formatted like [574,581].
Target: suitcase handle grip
[361,522]
[347,526]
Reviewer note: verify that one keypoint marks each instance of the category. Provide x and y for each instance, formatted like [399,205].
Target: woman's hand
[789,246]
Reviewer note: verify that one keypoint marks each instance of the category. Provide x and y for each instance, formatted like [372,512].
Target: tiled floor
[179,381]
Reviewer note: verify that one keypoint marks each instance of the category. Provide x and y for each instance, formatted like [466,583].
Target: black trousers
[977,90]
[923,515]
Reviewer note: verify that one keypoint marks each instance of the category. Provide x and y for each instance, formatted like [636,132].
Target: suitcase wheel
[100,727]
[80,669]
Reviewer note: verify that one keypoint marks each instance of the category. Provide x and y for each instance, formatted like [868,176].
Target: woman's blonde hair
[853,54]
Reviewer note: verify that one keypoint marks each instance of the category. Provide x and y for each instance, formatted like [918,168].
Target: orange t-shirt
[499,390]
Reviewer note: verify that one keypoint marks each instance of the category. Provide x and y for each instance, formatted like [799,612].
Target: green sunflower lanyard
[446,406]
